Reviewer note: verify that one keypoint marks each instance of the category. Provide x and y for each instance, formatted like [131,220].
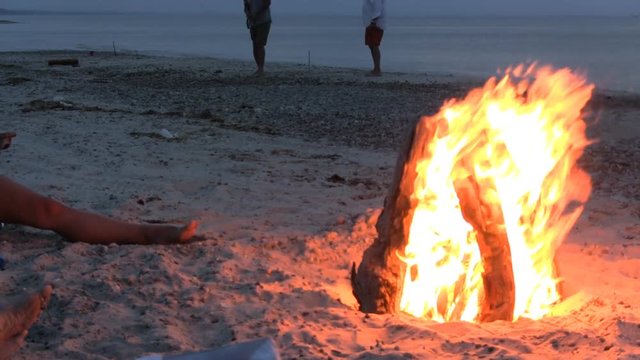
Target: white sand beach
[287,175]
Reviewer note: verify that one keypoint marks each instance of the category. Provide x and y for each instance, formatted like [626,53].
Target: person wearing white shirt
[374,18]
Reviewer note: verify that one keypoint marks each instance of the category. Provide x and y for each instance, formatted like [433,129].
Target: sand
[286,174]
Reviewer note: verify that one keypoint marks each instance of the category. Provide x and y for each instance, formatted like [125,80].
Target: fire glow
[513,144]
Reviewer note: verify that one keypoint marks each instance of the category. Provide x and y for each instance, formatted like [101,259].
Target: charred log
[378,281]
[491,235]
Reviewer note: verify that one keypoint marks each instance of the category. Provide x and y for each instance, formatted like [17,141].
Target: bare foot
[259,73]
[188,231]
[374,73]
[18,316]
[12,345]
[170,234]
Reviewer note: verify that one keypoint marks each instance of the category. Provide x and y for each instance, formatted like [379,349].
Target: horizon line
[5,11]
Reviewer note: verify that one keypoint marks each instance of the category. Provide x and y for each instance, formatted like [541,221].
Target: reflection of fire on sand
[484,194]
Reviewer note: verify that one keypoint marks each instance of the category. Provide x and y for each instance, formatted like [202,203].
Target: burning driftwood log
[377,282]
[483,194]
[491,235]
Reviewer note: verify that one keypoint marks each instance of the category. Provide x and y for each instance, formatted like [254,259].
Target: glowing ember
[518,139]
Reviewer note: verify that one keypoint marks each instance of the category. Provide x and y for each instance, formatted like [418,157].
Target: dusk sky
[398,7]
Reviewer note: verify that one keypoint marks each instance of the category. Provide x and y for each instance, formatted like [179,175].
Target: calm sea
[607,48]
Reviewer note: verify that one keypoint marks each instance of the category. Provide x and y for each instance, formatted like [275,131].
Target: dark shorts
[373,36]
[260,33]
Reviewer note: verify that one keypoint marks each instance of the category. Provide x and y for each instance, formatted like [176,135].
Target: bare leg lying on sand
[22,206]
[17,317]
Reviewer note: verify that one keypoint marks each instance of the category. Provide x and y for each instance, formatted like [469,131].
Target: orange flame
[524,134]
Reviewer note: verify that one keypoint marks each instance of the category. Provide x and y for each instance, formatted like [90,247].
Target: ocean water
[607,49]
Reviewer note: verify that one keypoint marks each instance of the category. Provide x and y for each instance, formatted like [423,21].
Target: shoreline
[287,175]
[281,65]
[407,76]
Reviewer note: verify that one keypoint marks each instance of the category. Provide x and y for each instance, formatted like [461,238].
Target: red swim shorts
[373,35]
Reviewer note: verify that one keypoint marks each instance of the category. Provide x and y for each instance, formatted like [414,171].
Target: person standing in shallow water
[374,18]
[259,23]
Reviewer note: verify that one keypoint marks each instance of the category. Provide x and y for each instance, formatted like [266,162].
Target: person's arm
[5,139]
[247,13]
[247,10]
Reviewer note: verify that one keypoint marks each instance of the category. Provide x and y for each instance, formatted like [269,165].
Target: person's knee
[49,212]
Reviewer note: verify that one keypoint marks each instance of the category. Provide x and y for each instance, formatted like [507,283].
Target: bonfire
[484,193]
